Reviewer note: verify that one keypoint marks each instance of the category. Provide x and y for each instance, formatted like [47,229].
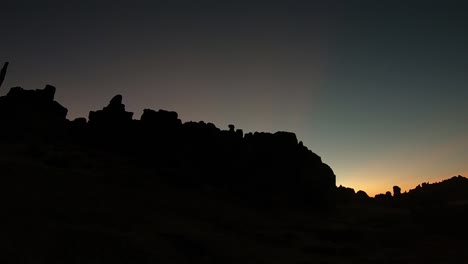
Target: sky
[378,89]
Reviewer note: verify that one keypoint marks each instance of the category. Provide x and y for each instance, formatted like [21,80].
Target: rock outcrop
[161,119]
[33,112]
[111,115]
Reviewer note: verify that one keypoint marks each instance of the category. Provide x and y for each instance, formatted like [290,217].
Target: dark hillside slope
[115,189]
[118,190]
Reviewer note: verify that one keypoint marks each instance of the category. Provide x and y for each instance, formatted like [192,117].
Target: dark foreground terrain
[93,215]
[112,189]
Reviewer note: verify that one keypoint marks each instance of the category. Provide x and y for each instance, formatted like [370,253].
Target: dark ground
[70,207]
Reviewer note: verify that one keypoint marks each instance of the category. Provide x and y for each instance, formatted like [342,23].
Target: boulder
[25,105]
[31,111]
[161,119]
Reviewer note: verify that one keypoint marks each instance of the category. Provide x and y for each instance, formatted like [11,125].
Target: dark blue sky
[377,88]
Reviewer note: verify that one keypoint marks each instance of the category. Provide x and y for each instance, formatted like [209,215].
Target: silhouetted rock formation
[32,112]
[111,115]
[3,73]
[162,119]
[266,167]
[452,190]
[345,194]
[118,190]
[362,195]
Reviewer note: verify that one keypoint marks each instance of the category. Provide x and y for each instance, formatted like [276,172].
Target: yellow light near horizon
[408,168]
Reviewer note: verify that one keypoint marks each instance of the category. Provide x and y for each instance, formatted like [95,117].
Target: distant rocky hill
[449,191]
[453,191]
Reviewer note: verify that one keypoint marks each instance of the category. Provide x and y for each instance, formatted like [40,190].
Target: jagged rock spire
[114,113]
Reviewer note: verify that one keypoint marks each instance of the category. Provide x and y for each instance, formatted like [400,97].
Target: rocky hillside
[112,189]
[265,167]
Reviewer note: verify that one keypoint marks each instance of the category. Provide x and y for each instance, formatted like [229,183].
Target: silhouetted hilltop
[263,166]
[453,190]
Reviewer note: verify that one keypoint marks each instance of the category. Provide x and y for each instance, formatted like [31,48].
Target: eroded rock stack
[111,115]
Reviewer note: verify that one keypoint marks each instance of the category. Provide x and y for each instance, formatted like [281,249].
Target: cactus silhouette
[3,73]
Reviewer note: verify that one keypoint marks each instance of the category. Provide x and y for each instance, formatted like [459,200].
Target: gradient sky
[377,88]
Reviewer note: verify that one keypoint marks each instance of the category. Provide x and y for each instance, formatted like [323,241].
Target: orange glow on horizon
[408,168]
